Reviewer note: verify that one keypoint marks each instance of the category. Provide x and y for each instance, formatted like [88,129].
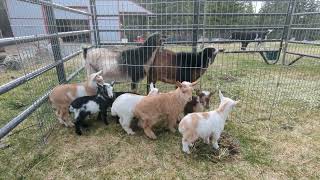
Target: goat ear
[97,73]
[112,83]
[221,95]
[99,85]
[195,83]
[178,84]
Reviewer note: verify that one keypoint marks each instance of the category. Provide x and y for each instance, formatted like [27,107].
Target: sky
[257,5]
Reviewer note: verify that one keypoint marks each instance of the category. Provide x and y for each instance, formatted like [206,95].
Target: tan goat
[165,106]
[62,96]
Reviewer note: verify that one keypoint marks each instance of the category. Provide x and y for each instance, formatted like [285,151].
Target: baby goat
[198,103]
[87,105]
[124,105]
[163,107]
[62,96]
[205,125]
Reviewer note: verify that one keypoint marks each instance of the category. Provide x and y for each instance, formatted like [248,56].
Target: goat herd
[182,69]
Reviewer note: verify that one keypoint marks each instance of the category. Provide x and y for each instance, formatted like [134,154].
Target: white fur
[81,91]
[124,105]
[92,106]
[207,93]
[206,128]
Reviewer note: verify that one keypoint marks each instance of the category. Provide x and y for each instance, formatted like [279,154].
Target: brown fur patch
[205,115]
[195,120]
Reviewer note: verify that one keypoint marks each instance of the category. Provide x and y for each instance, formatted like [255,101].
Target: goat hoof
[173,130]
[187,152]
[131,133]
[153,137]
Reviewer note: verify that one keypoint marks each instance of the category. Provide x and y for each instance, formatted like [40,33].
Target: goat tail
[85,52]
[216,51]
[181,128]
[113,112]
[71,109]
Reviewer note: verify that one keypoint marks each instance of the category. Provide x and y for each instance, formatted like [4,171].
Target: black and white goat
[198,103]
[127,65]
[247,36]
[87,105]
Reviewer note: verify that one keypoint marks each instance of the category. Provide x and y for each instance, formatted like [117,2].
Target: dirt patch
[228,78]
[229,149]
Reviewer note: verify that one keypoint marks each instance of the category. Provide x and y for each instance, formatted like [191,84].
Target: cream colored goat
[205,125]
[62,96]
[164,106]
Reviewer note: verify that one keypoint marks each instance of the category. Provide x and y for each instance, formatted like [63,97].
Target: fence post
[55,44]
[196,12]
[287,31]
[93,10]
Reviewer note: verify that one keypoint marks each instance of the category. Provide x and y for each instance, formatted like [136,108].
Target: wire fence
[269,54]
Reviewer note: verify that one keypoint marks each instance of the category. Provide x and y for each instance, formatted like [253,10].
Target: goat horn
[195,83]
[178,84]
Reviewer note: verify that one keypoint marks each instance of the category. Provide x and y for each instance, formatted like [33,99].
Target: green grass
[285,146]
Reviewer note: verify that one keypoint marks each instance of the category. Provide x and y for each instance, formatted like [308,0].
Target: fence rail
[33,38]
[57,6]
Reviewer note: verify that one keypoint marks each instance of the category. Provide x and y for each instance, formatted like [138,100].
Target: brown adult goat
[170,67]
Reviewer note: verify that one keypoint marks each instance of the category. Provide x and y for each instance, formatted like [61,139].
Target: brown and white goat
[164,106]
[205,125]
[62,96]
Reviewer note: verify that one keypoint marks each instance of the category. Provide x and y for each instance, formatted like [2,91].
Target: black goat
[171,67]
[247,36]
[131,64]
[87,105]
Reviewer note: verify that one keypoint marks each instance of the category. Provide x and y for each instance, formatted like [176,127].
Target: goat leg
[150,133]
[78,126]
[244,45]
[104,116]
[134,86]
[79,123]
[172,124]
[99,116]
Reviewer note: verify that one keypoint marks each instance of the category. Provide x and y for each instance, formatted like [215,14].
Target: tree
[167,16]
[298,20]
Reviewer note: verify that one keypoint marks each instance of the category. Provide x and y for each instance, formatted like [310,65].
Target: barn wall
[25,18]
[30,16]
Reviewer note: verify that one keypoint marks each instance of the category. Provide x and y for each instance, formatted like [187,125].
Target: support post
[287,31]
[93,10]
[93,23]
[55,44]
[196,13]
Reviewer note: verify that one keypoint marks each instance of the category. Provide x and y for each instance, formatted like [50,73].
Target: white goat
[124,105]
[62,96]
[205,125]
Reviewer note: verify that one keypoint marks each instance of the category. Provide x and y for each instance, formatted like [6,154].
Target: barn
[112,14]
